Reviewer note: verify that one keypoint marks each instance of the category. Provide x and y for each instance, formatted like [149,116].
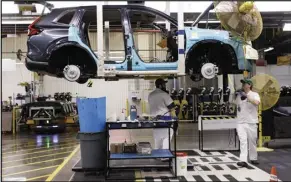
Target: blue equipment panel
[92,114]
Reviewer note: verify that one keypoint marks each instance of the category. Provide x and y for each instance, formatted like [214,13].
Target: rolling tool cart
[153,154]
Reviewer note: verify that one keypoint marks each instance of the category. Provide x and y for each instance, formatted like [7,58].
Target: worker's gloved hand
[243,95]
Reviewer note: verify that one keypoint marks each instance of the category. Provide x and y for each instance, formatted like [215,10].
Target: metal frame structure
[230,123]
[109,71]
[142,125]
[50,111]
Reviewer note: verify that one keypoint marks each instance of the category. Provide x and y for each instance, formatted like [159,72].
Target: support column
[107,37]
[168,27]
[225,84]
[181,33]
[168,12]
[100,38]
[40,86]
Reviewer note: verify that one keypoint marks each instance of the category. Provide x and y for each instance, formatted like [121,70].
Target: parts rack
[156,153]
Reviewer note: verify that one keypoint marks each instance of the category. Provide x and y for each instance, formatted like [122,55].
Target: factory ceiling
[272,34]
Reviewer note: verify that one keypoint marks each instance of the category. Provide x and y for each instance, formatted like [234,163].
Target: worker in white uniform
[247,115]
[161,104]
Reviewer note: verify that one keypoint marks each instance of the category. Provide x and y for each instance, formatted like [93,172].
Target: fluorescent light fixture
[117,2]
[212,21]
[55,126]
[12,35]
[17,22]
[274,6]
[39,126]
[287,27]
[269,49]
[8,7]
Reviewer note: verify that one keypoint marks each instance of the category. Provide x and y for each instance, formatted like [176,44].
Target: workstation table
[155,154]
[216,123]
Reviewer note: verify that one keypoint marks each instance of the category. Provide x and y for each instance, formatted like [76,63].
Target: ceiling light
[12,35]
[204,21]
[18,22]
[287,27]
[211,21]
[268,49]
[9,7]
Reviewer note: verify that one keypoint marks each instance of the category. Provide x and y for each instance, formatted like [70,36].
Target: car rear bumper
[35,65]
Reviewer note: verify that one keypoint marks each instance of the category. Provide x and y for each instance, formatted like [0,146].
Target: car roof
[129,7]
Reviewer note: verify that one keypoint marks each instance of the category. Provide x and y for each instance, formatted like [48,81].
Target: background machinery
[49,115]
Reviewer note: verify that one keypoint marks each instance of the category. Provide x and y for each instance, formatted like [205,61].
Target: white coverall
[247,126]
[158,102]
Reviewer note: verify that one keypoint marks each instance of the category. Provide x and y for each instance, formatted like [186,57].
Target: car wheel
[72,73]
[82,80]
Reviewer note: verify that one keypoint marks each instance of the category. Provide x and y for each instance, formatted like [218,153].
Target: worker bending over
[161,104]
[247,102]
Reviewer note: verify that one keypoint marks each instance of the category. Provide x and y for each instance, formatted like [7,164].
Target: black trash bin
[93,150]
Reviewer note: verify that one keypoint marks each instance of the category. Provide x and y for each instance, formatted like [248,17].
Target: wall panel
[281,73]
[12,44]
[10,79]
[115,92]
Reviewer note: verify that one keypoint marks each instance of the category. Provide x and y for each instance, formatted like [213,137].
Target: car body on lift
[48,115]
[59,45]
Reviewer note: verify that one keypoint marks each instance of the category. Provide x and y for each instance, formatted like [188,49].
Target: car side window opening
[66,18]
[113,39]
[156,44]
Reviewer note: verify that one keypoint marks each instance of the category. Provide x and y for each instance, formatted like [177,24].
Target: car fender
[63,43]
[195,36]
[74,36]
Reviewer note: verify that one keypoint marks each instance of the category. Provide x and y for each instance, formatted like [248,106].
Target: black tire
[82,80]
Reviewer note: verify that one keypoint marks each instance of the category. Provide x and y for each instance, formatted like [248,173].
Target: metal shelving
[156,153]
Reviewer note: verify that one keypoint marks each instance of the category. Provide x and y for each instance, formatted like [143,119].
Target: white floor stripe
[221,177]
[205,177]
[211,168]
[226,168]
[240,174]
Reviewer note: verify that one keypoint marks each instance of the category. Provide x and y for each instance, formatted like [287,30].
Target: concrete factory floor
[51,157]
[35,157]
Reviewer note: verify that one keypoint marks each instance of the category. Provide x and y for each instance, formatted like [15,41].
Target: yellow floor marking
[38,152]
[51,177]
[33,163]
[33,145]
[33,139]
[36,157]
[11,174]
[137,174]
[37,148]
[38,177]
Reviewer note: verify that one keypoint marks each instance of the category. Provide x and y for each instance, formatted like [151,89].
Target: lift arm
[210,7]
